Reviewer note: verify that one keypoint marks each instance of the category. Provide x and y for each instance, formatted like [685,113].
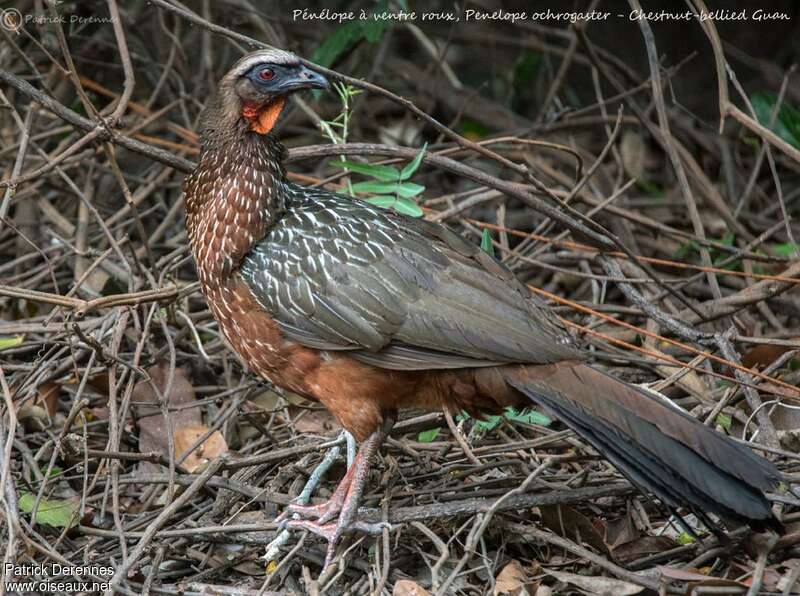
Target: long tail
[659,447]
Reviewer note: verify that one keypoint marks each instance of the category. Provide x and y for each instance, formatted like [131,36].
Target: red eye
[266,74]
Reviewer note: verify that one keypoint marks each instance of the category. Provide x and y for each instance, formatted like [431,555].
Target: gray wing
[339,274]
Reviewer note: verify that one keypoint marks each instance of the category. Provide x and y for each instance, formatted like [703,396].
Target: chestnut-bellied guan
[367,311]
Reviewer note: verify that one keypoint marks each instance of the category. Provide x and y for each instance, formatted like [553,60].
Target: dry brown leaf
[268,400]
[602,586]
[513,581]
[762,355]
[646,545]
[153,436]
[212,447]
[690,575]
[572,524]
[47,397]
[619,532]
[634,154]
[317,421]
[33,418]
[406,587]
[689,381]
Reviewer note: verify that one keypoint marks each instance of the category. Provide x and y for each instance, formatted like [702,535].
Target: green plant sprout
[489,423]
[338,129]
[392,186]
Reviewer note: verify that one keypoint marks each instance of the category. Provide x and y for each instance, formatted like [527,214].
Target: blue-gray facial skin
[282,78]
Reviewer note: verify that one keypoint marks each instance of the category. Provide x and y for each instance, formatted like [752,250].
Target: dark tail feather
[659,447]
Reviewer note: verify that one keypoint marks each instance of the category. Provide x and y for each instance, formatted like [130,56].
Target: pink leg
[345,500]
[324,512]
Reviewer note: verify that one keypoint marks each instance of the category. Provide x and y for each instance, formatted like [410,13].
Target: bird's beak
[305,78]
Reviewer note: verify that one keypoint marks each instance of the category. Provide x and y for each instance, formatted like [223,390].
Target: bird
[368,311]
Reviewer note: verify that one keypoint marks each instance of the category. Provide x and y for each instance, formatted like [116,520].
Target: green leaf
[408,207]
[406,189]
[59,513]
[381,172]
[404,206]
[686,249]
[684,538]
[486,242]
[718,256]
[727,239]
[787,123]
[348,34]
[337,43]
[373,30]
[724,421]
[10,341]
[382,202]
[473,130]
[427,436]
[787,249]
[528,417]
[409,189]
[489,424]
[414,164]
[375,187]
[652,189]
[526,68]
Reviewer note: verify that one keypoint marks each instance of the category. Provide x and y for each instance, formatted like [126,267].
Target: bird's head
[256,87]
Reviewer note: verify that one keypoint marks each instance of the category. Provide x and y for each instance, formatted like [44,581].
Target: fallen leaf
[619,532]
[680,574]
[153,429]
[427,436]
[634,154]
[317,421]
[33,418]
[268,400]
[48,396]
[689,381]
[646,545]
[761,356]
[12,341]
[406,587]
[786,418]
[571,523]
[769,580]
[602,586]
[513,581]
[59,513]
[212,447]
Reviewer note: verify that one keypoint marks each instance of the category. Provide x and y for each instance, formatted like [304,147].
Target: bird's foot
[333,531]
[343,504]
[322,513]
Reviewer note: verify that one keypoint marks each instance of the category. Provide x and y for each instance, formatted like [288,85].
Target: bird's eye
[266,74]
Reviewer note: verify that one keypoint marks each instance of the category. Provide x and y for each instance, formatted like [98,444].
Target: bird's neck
[236,193]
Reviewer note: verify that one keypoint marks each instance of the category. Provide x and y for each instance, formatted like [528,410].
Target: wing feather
[396,292]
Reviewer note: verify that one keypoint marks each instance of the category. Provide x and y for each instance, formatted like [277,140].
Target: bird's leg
[346,498]
[325,512]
